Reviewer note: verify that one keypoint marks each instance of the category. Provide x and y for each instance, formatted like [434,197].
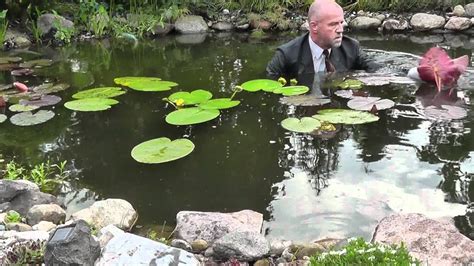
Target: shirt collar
[316,51]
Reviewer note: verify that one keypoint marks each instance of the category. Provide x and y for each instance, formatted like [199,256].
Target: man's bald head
[316,9]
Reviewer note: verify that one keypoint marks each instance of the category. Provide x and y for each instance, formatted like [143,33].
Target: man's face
[327,30]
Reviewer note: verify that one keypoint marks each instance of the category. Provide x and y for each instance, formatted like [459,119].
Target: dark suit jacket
[294,58]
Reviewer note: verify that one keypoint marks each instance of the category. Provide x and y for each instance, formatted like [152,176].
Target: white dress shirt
[318,57]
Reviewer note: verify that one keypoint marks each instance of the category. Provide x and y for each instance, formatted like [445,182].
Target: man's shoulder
[349,41]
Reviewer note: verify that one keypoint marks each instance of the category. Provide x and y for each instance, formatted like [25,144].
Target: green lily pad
[303,125]
[261,84]
[37,63]
[190,116]
[145,83]
[7,60]
[341,116]
[22,108]
[304,100]
[161,150]
[190,98]
[47,88]
[3,118]
[367,103]
[30,119]
[291,90]
[350,84]
[90,104]
[222,103]
[105,92]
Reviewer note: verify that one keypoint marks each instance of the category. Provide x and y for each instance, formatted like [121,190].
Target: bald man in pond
[322,49]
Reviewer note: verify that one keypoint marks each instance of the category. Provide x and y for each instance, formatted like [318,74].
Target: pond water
[306,186]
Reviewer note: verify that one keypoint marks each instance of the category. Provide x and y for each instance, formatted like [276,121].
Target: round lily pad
[445,112]
[161,150]
[13,59]
[291,90]
[341,116]
[90,104]
[37,63]
[261,84]
[303,125]
[189,116]
[45,100]
[2,118]
[350,84]
[22,108]
[105,92]
[21,72]
[349,94]
[30,119]
[145,83]
[47,88]
[222,103]
[304,100]
[190,98]
[367,103]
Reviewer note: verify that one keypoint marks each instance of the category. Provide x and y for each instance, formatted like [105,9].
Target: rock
[243,26]
[179,243]
[2,227]
[75,246]
[11,188]
[44,226]
[20,40]
[262,262]
[363,23]
[431,241]
[46,212]
[24,201]
[199,245]
[459,11]
[162,29]
[395,25]
[107,233]
[8,239]
[243,246]
[277,246]
[128,249]
[306,249]
[424,21]
[329,243]
[380,17]
[210,226]
[260,24]
[118,212]
[191,24]
[2,217]
[287,255]
[457,23]
[19,227]
[222,26]
[469,8]
[46,23]
[304,26]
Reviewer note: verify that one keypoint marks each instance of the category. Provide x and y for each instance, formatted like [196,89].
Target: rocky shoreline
[460,20]
[205,238]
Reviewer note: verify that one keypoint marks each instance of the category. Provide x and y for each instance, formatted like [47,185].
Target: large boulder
[395,25]
[24,201]
[47,22]
[457,23]
[222,26]
[363,23]
[244,246]
[118,212]
[469,8]
[424,21]
[11,188]
[431,241]
[190,24]
[459,11]
[210,226]
[46,212]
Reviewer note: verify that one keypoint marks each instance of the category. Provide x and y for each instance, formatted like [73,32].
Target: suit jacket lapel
[336,58]
[305,58]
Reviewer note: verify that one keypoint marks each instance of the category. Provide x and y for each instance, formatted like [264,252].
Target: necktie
[329,66]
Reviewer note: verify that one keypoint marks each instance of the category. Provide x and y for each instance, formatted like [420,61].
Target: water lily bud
[282,81]
[293,82]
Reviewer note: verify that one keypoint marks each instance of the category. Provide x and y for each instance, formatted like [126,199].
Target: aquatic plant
[342,116]
[63,34]
[30,119]
[145,83]
[90,104]
[303,125]
[161,150]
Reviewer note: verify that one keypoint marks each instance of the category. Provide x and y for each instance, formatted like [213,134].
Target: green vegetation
[359,252]
[12,217]
[26,253]
[3,25]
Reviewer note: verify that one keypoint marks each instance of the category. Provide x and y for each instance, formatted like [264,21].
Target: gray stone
[380,17]
[222,26]
[24,201]
[78,247]
[210,226]
[306,249]
[457,23]
[47,22]
[459,11]
[162,29]
[245,26]
[287,255]
[181,244]
[199,245]
[19,39]
[11,188]
[262,262]
[277,246]
[469,8]
[2,217]
[19,227]
[243,246]
[2,227]
[191,24]
[431,241]
[424,21]
[46,212]
[118,212]
[128,249]
[363,23]
[395,25]
[44,226]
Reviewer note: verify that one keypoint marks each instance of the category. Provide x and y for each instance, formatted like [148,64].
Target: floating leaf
[189,116]
[2,118]
[349,94]
[341,116]
[261,84]
[105,92]
[350,84]
[161,150]
[6,60]
[22,108]
[379,80]
[304,100]
[5,87]
[291,90]
[30,119]
[222,103]
[445,112]
[37,63]
[145,83]
[190,98]
[21,72]
[305,125]
[90,104]
[45,100]
[366,103]
[50,88]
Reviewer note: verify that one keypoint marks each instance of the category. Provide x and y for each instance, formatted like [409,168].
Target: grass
[359,252]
